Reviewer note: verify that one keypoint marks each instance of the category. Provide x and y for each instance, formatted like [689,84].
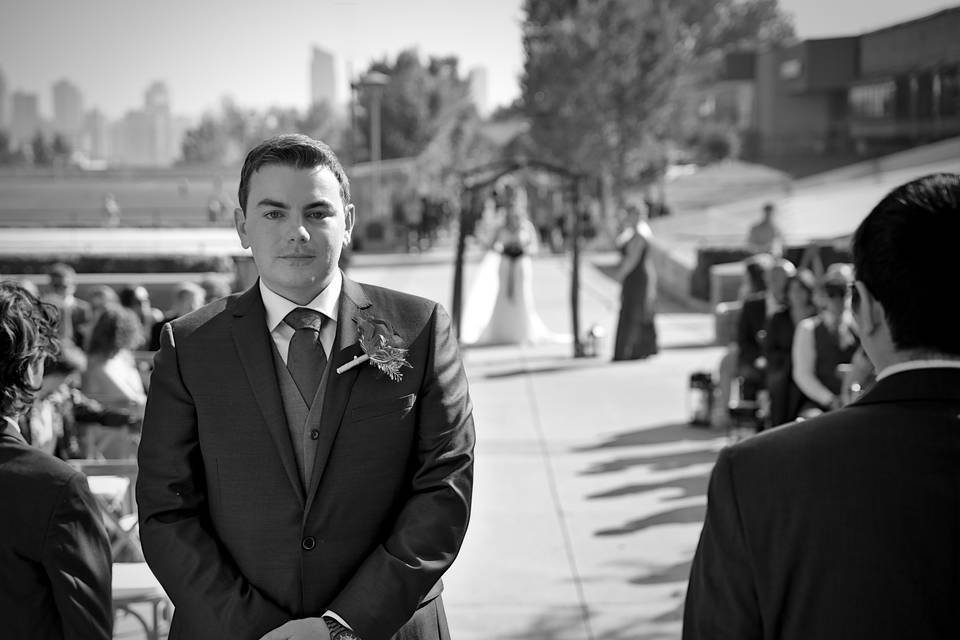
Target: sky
[258,53]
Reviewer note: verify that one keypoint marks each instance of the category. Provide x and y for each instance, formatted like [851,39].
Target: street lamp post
[374,82]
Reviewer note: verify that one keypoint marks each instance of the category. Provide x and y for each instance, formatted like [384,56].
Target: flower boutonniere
[381,347]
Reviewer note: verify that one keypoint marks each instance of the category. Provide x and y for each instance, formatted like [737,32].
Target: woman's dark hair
[117,328]
[28,332]
[291,150]
[904,252]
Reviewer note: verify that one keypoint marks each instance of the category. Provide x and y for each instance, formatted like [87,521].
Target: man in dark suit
[845,526]
[77,313]
[287,487]
[55,566]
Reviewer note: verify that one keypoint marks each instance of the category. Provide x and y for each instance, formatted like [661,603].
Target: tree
[60,149]
[206,143]
[42,153]
[416,100]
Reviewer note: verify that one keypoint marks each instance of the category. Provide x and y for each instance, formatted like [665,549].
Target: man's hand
[305,629]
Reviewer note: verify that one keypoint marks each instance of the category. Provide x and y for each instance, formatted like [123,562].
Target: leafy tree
[42,152]
[60,149]
[206,143]
[414,104]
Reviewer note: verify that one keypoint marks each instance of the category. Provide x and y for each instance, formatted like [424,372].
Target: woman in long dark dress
[636,332]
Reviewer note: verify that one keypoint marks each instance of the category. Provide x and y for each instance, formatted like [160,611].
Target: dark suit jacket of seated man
[846,526]
[253,522]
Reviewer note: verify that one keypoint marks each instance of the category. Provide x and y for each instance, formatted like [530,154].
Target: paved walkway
[590,487]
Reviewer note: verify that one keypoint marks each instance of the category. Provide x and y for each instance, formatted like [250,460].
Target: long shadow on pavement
[654,435]
[567,624]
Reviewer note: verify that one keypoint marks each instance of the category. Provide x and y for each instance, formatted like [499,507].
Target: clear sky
[259,52]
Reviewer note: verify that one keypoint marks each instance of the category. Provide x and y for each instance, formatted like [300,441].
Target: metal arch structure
[473,181]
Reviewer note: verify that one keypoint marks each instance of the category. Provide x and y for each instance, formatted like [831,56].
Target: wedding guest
[824,342]
[785,396]
[845,526]
[137,299]
[214,288]
[55,558]
[76,313]
[753,285]
[101,296]
[112,377]
[765,236]
[636,330]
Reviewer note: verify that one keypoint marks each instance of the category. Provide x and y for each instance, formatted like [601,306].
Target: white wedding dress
[500,309]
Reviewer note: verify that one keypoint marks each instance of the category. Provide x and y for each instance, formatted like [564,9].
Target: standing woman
[636,333]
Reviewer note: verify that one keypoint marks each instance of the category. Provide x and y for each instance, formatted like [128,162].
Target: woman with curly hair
[54,553]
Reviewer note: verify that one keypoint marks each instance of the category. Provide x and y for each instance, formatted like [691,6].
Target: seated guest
[55,563]
[137,299]
[112,378]
[751,330]
[785,396]
[753,284]
[187,297]
[822,343]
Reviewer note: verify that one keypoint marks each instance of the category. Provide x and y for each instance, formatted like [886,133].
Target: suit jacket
[753,320]
[845,526]
[226,524]
[55,565]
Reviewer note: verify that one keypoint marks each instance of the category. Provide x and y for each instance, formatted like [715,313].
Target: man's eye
[318,213]
[274,214]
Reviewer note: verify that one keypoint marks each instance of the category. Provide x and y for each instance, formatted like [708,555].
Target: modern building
[67,110]
[24,118]
[323,78]
[908,88]
[150,136]
[95,139]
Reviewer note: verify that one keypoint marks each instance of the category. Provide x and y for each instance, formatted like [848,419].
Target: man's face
[62,285]
[296,225]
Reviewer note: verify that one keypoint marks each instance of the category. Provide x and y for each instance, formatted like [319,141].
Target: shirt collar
[914,365]
[10,427]
[327,302]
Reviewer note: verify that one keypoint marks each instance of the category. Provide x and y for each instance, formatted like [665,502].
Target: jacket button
[308,543]
[314,434]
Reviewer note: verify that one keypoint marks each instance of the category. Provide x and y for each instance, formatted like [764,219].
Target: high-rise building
[3,101]
[25,118]
[478,89]
[323,86]
[149,136]
[67,110]
[95,141]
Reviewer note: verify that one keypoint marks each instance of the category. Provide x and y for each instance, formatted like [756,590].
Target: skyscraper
[25,118]
[96,135]
[67,110]
[322,78]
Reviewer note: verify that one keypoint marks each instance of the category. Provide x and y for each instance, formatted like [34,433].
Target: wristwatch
[338,631]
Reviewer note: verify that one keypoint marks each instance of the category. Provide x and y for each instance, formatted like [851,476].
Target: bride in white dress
[500,308]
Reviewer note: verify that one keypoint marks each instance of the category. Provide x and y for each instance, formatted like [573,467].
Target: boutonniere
[382,347]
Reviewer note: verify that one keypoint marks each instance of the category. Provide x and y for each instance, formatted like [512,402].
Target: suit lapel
[253,345]
[339,385]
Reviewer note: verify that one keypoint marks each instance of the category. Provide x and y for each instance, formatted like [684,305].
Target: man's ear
[240,221]
[870,314]
[349,213]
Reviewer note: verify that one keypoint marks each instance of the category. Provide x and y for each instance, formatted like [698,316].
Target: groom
[288,489]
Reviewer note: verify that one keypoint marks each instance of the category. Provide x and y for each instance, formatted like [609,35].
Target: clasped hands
[304,629]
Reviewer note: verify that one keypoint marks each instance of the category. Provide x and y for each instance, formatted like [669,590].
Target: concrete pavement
[590,487]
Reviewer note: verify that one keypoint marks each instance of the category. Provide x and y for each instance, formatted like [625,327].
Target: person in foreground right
[845,526]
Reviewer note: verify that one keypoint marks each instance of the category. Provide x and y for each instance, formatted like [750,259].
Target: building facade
[323,78]
[67,110]
[24,118]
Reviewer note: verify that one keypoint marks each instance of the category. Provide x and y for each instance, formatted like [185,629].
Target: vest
[303,422]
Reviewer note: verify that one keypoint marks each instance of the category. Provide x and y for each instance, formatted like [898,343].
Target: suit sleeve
[721,597]
[77,561]
[175,531]
[430,527]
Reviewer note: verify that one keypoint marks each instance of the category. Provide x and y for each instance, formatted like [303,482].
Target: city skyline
[219,48]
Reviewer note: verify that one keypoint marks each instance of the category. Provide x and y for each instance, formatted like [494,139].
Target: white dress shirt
[277,307]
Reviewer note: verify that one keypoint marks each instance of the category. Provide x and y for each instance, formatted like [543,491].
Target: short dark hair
[28,332]
[902,250]
[291,150]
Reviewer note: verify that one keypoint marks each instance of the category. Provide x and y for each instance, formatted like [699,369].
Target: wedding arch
[476,181]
